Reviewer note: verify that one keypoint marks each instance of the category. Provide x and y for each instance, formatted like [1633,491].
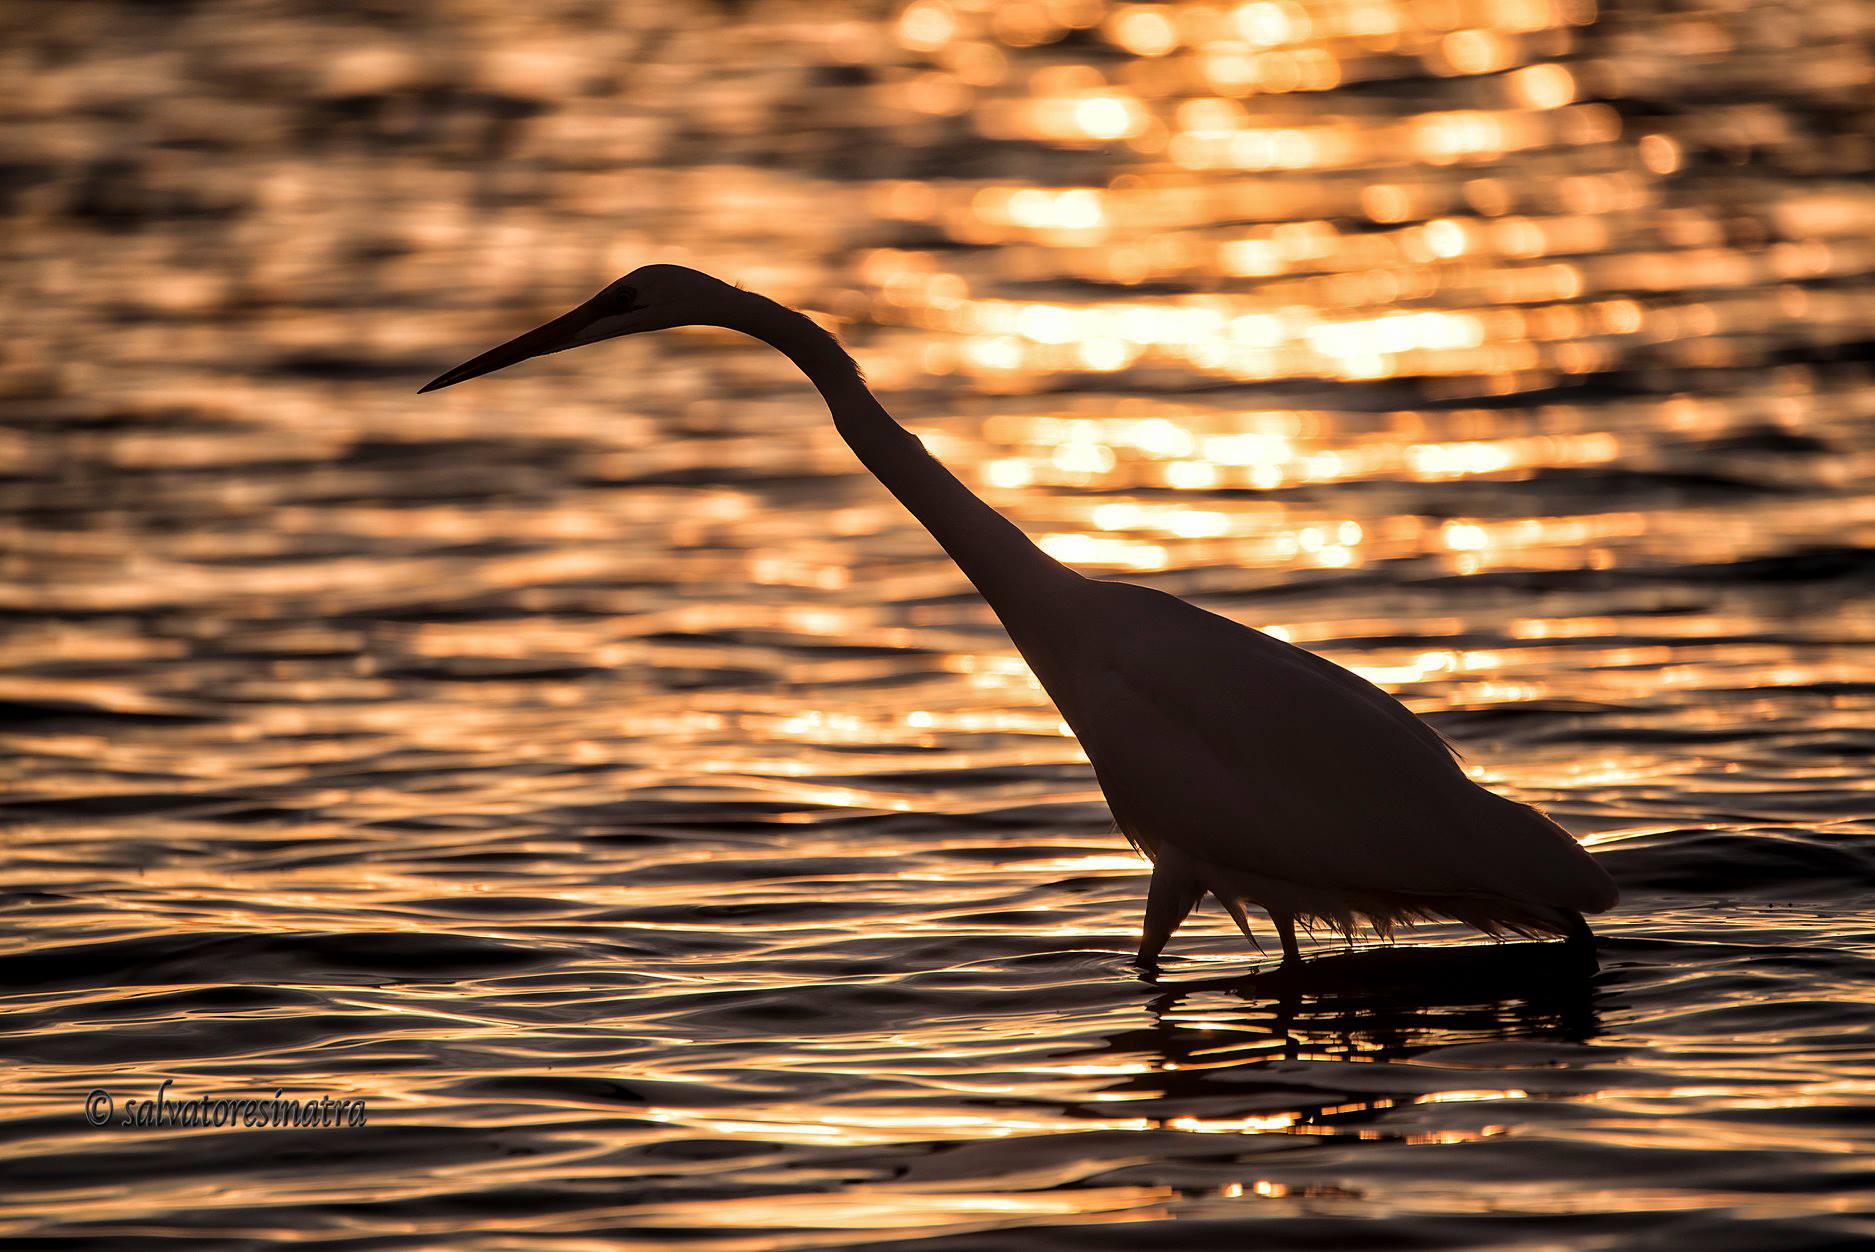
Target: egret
[1236,763]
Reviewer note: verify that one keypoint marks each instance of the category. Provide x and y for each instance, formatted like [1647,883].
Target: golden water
[599,774]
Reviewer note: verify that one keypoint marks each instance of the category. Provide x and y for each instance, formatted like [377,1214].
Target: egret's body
[1239,765]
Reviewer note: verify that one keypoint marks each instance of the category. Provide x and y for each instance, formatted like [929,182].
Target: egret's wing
[1252,754]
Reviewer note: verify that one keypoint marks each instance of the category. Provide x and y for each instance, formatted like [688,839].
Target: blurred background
[600,774]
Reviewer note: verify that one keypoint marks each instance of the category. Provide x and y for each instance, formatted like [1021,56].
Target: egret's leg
[1580,940]
[1286,928]
[1578,930]
[1169,901]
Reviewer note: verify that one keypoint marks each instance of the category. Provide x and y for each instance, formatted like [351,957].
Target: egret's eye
[626,295]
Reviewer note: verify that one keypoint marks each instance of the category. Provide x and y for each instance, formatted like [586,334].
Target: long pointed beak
[556,336]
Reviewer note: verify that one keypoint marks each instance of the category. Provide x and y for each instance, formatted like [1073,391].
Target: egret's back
[1289,776]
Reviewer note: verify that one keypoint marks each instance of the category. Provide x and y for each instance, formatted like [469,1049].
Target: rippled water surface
[598,774]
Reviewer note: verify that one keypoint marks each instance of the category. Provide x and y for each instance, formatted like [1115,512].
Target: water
[598,775]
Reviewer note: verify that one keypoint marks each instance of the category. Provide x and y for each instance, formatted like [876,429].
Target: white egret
[1238,764]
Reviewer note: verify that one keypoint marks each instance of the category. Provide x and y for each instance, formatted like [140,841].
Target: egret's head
[654,297]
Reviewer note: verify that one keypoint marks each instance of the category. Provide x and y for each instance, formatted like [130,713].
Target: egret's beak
[586,324]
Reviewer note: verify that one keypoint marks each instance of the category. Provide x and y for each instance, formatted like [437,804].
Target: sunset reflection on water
[598,773]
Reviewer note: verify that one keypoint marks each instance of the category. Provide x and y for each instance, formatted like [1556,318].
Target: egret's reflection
[1213,1048]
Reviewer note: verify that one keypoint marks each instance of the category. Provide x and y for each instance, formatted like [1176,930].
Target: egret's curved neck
[1015,576]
